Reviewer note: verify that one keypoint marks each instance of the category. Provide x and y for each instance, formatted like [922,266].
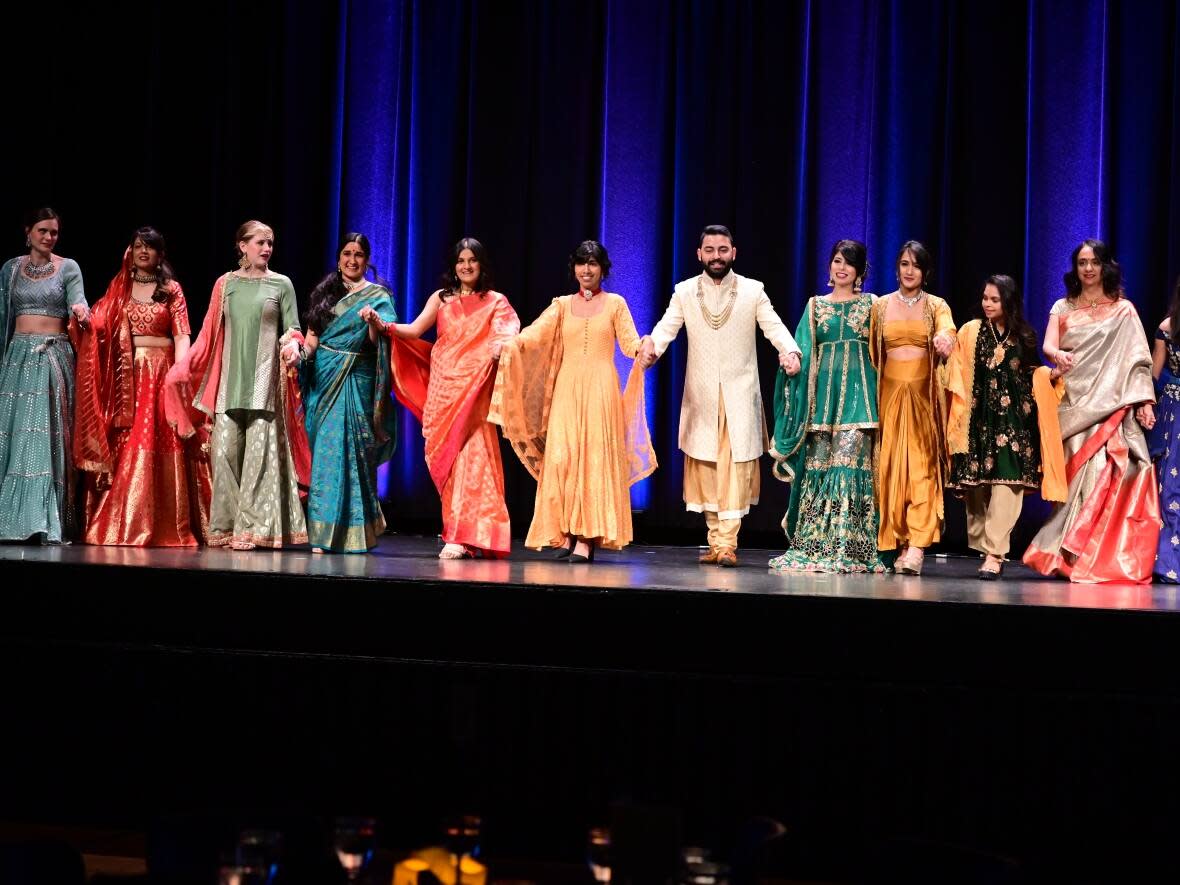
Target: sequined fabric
[825,423]
[50,296]
[36,419]
[1166,451]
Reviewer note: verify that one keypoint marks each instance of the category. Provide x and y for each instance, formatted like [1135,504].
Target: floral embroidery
[1003,445]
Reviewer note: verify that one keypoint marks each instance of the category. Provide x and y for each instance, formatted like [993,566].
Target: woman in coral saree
[448,387]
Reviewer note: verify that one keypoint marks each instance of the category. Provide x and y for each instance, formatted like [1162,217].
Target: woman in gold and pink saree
[1106,530]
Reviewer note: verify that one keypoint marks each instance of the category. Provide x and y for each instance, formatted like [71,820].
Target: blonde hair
[251,229]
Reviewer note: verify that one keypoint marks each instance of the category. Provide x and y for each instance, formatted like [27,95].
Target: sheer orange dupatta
[523,394]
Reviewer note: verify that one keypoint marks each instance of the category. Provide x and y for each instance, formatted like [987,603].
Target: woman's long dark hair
[331,288]
[1013,306]
[1112,274]
[449,281]
[1174,314]
[922,258]
[164,273]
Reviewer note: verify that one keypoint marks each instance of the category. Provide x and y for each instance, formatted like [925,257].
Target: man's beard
[718,273]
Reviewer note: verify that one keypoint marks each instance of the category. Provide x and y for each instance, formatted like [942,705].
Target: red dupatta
[105,392]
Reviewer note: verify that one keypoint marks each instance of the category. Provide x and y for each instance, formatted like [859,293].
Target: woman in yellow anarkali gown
[557,398]
[910,333]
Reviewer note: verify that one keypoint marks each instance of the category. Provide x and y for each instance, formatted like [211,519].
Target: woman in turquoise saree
[345,377]
[825,429]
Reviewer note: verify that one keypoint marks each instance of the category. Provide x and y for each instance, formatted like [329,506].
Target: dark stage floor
[1027,717]
[414,559]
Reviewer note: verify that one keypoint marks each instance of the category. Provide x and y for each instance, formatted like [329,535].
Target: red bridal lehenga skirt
[159,492]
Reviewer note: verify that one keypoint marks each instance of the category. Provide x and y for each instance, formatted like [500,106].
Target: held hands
[81,314]
[790,362]
[647,352]
[290,353]
[944,343]
[368,315]
[1145,415]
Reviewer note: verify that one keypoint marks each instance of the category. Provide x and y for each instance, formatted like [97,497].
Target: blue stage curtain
[1000,134]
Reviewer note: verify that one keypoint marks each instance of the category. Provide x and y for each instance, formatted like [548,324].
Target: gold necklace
[998,352]
[716,320]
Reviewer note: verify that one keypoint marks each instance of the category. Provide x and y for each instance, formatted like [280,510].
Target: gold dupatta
[523,395]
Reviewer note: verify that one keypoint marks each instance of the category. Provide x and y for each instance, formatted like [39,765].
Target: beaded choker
[39,271]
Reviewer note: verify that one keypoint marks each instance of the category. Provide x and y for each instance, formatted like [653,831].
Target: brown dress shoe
[709,558]
[727,557]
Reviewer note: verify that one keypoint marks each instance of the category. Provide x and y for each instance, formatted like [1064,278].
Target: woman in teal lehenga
[350,421]
[825,429]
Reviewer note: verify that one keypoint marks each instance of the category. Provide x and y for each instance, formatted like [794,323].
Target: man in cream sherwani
[722,424]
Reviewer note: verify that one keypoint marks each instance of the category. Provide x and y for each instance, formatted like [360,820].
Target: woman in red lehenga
[1108,527]
[144,487]
[448,387]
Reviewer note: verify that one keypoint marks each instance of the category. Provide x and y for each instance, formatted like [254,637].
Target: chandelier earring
[859,282]
[244,262]
[831,282]
[28,242]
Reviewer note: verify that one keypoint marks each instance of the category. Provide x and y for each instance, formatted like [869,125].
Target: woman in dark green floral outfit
[996,451]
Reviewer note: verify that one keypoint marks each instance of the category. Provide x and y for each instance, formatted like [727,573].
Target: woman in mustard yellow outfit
[910,333]
[557,398]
